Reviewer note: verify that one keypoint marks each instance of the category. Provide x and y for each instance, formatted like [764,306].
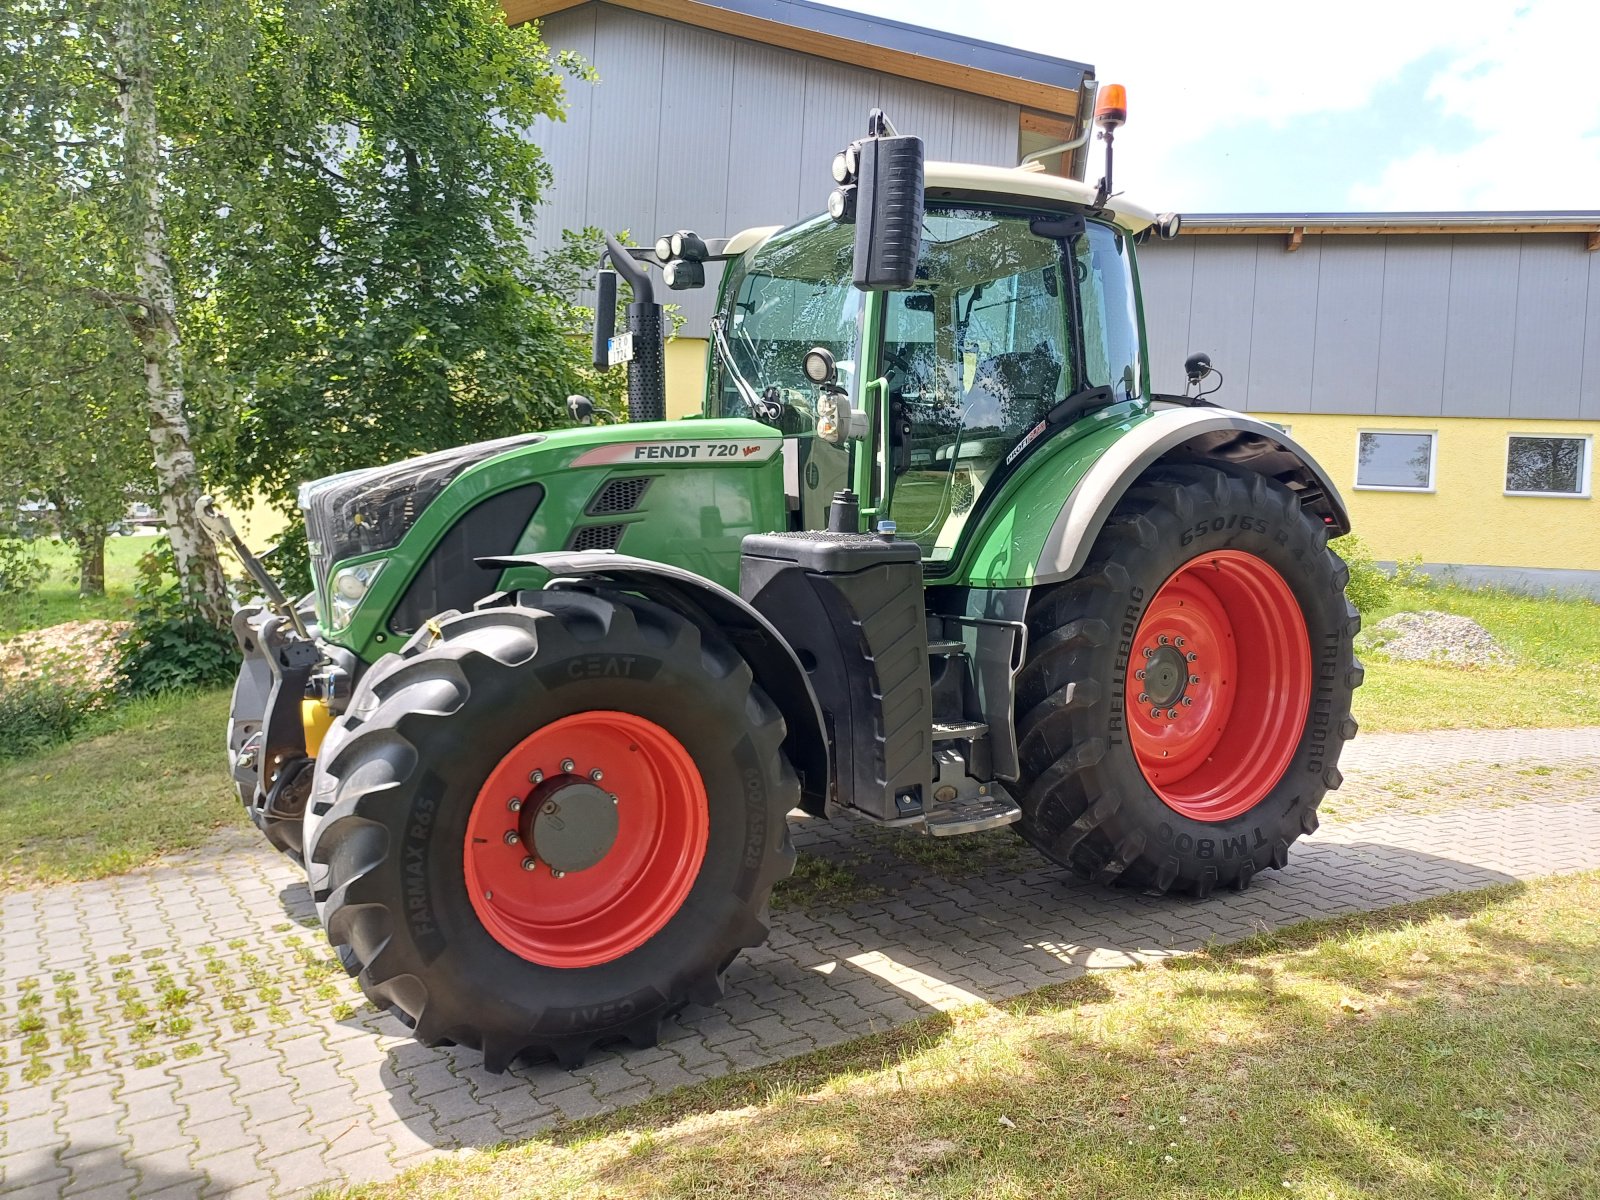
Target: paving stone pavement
[181,1032]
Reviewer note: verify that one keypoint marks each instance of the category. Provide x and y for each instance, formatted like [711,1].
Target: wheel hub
[569,823]
[1166,675]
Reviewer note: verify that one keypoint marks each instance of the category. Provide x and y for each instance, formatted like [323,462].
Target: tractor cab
[1021,315]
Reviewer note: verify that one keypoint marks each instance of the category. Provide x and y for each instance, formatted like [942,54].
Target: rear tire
[407,816]
[1164,761]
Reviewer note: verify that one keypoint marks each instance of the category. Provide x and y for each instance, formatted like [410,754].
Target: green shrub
[36,713]
[1408,572]
[170,646]
[20,569]
[1369,587]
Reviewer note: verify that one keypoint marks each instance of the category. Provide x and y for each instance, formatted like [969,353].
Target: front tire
[497,744]
[1187,695]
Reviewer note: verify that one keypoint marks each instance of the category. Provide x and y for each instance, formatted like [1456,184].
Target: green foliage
[375,295]
[1408,573]
[1369,587]
[38,713]
[170,646]
[21,570]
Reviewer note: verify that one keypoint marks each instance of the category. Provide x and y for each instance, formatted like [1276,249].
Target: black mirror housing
[888,213]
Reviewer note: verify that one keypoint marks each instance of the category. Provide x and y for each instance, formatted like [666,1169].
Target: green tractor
[933,555]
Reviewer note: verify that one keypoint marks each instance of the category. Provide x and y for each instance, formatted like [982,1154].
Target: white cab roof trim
[1031,185]
[747,239]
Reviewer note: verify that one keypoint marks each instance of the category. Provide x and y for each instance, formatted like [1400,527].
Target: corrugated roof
[1025,77]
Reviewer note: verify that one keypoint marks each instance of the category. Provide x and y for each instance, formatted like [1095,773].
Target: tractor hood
[393,546]
[362,512]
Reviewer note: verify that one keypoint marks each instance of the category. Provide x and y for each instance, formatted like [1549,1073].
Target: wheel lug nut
[549,807]
[1149,653]
[1178,642]
[566,765]
[1155,712]
[514,804]
[1144,697]
[1194,679]
[596,775]
[1139,674]
[1188,700]
[511,838]
[558,874]
[1172,714]
[535,776]
[530,864]
[613,796]
[1163,639]
[1191,656]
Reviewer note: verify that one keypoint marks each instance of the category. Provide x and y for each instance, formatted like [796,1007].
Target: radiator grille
[618,496]
[596,537]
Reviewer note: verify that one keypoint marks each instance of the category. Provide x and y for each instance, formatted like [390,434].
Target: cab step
[958,731]
[946,648]
[974,814]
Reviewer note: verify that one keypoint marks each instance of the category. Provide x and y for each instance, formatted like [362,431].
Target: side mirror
[582,409]
[888,208]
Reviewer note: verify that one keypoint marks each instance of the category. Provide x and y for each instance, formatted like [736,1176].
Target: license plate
[619,349]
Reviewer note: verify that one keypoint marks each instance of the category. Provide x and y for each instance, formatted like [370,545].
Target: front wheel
[552,824]
[1187,695]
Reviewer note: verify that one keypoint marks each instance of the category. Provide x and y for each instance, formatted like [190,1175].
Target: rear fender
[706,604]
[1215,437]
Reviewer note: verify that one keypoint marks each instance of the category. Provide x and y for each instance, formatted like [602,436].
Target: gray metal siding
[1416,316]
[1404,325]
[691,129]
[1349,309]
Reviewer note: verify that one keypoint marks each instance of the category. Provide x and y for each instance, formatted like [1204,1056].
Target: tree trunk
[91,547]
[177,475]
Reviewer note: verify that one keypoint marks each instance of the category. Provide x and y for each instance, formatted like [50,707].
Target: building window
[1541,465]
[1392,460]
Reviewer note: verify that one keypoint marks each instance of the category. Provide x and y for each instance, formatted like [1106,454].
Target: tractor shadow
[874,936]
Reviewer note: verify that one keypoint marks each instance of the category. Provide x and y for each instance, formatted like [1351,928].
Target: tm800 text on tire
[1187,694]
[552,823]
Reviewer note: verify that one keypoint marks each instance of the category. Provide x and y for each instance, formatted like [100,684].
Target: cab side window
[1111,353]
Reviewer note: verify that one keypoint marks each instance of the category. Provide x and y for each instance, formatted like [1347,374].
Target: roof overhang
[1053,87]
[1295,226]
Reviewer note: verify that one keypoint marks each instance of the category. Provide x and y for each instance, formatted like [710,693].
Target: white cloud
[1198,69]
[1527,86]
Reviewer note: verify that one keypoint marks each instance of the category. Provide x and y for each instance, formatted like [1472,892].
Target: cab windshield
[792,294]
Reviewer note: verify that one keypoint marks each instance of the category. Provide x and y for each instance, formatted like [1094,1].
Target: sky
[1352,106]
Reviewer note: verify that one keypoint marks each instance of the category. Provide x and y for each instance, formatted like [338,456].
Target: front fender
[708,605]
[1043,531]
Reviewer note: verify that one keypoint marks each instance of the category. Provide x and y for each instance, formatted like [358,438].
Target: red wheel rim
[1219,683]
[603,786]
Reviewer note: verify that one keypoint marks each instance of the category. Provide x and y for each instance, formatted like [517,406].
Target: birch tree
[87,170]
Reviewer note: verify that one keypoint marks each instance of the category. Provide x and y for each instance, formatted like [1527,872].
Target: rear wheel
[552,824]
[1187,695]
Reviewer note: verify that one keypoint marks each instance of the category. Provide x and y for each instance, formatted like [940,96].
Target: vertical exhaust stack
[644,353]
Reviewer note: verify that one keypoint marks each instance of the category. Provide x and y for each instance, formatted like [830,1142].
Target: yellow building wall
[1467,518]
[686,376]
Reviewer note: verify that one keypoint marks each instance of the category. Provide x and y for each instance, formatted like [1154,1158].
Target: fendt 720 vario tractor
[933,556]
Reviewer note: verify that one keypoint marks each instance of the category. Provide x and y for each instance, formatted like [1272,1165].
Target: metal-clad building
[721,115]
[1444,366]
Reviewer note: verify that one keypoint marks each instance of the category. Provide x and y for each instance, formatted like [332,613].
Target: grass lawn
[56,599]
[151,782]
[1555,682]
[1448,1049]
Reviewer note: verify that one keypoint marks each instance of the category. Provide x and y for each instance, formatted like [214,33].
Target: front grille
[596,537]
[619,496]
